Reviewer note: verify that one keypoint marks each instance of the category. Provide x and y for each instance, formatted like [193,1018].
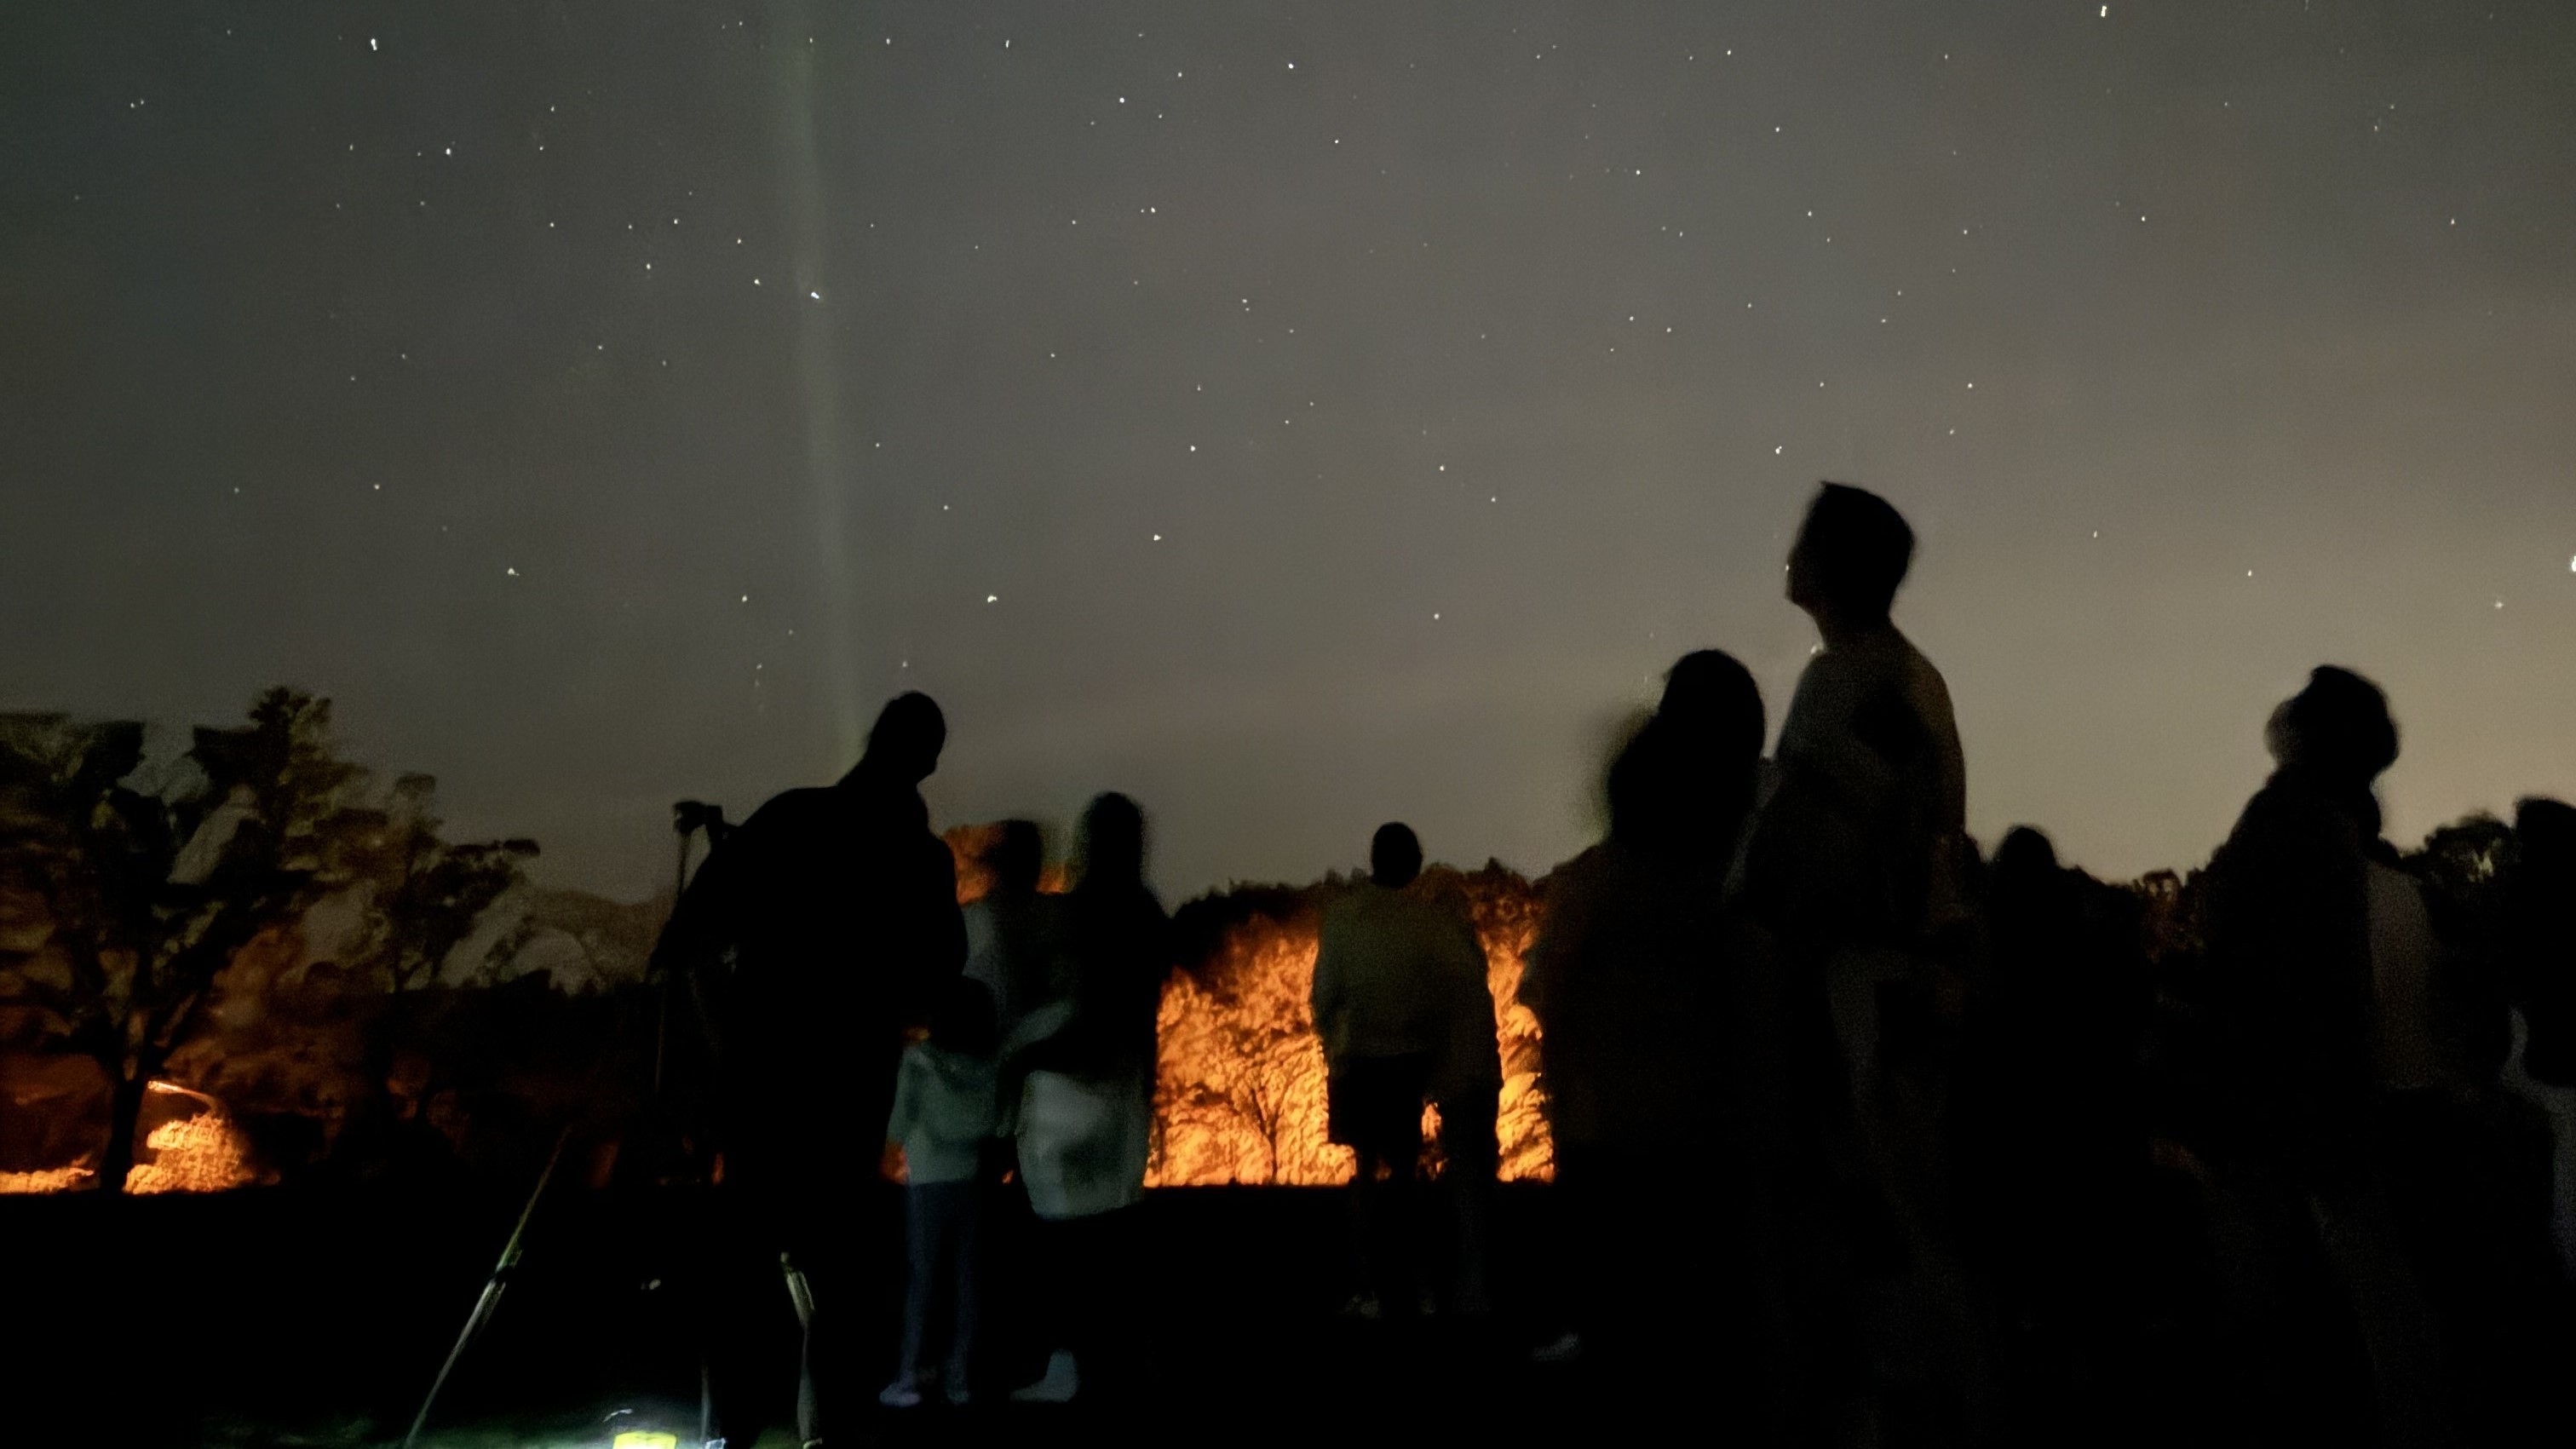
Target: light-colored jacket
[1396,975]
[944,1112]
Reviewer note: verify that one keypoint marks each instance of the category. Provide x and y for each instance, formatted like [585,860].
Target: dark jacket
[838,910]
[1120,951]
[2290,979]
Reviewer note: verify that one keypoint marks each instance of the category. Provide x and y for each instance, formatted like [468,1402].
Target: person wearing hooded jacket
[2293,1153]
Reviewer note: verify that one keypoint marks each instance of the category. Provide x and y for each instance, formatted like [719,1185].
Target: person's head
[1395,855]
[2337,729]
[2025,862]
[2544,831]
[1682,783]
[1850,557]
[1710,699]
[961,1018]
[1113,841]
[1015,857]
[909,734]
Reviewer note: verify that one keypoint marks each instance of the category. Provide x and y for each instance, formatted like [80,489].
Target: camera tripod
[688,819]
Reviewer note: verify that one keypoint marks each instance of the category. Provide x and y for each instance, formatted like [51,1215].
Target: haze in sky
[1297,416]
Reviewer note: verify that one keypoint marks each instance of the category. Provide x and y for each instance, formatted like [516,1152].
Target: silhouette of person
[1859,864]
[815,936]
[1467,1088]
[1860,854]
[946,1109]
[1086,1103]
[2293,1153]
[2050,1136]
[1661,1042]
[2540,913]
[1014,934]
[1387,994]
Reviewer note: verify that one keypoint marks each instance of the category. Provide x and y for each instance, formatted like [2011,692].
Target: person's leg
[2360,1238]
[1057,1249]
[1470,1153]
[1402,1286]
[2560,1105]
[1585,1264]
[1092,1297]
[747,1335]
[1366,1094]
[923,1235]
[965,1208]
[1369,1211]
[2288,1352]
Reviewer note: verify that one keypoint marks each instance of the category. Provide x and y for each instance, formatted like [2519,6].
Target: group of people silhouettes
[1847,1120]
[841,981]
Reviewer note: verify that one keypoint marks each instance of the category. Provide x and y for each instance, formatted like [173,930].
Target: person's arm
[1947,888]
[1949,761]
[907,1100]
[1325,996]
[1474,1041]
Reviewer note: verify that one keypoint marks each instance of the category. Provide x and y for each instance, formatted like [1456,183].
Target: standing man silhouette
[1859,866]
[1392,971]
[2299,952]
[821,930]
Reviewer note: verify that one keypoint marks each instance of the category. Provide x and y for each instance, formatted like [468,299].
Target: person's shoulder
[783,805]
[1443,911]
[1827,690]
[1587,868]
[789,809]
[782,821]
[1351,904]
[1922,676]
[2279,826]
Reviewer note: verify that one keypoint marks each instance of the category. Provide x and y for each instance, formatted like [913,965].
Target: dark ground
[308,1317]
[305,1316]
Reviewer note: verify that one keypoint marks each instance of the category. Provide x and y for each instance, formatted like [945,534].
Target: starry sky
[1297,416]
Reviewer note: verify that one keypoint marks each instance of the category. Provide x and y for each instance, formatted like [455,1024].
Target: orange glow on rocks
[1239,1083]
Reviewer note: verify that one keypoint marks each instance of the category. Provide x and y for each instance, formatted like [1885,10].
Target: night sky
[1296,416]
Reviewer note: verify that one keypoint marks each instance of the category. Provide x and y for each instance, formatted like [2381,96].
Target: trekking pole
[491,1299]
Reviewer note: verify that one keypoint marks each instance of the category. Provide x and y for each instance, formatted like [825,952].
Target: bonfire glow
[1239,1080]
[1239,1088]
[50,1179]
[204,1151]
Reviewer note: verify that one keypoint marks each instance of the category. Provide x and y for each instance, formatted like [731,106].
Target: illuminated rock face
[190,1144]
[48,1179]
[201,1152]
[1240,1086]
[1239,1092]
[1239,1089]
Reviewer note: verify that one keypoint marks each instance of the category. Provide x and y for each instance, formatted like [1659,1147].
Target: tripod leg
[809,1411]
[474,1322]
[491,1299]
[706,1398]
